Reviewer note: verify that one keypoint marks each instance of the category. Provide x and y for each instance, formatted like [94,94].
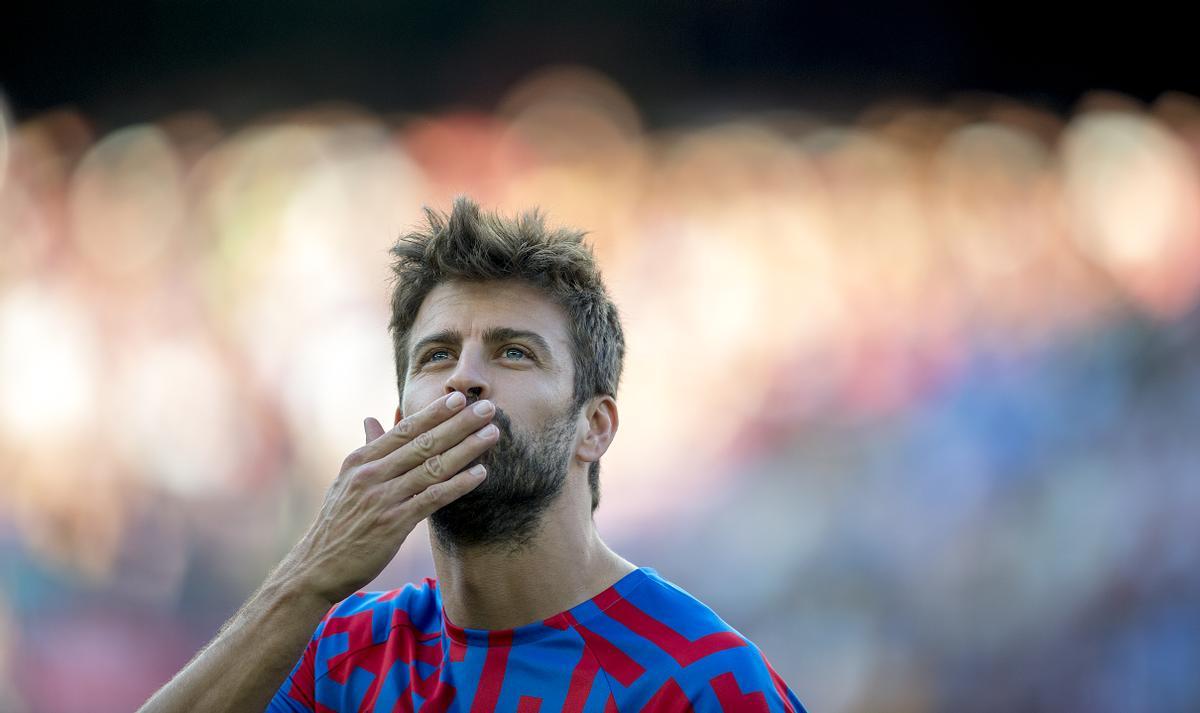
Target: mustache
[502,421]
[509,448]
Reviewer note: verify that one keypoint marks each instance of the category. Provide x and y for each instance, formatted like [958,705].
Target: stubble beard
[525,475]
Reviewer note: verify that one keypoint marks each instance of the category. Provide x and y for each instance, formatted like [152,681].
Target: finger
[410,427]
[372,428]
[440,466]
[438,495]
[426,447]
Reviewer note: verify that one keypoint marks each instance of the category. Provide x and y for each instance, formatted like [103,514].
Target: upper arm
[297,693]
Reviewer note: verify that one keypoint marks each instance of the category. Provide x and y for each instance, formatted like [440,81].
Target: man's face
[506,342]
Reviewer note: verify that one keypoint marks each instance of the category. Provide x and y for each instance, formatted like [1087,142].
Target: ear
[602,421]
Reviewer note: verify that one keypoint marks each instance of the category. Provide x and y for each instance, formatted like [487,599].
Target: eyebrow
[491,335]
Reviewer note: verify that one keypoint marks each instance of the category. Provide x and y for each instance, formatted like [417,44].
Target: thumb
[371,428]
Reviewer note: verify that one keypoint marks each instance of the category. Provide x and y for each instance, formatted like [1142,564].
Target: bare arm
[384,489]
[247,662]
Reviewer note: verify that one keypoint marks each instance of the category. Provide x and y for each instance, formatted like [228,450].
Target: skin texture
[546,555]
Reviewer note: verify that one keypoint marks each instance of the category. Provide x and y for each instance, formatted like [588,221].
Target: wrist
[287,585]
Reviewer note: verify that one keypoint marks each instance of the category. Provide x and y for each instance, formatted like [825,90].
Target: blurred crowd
[911,401]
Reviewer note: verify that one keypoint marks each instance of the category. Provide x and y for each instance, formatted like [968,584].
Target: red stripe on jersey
[379,661]
[610,706]
[529,704]
[558,621]
[582,679]
[389,595]
[669,698]
[357,627]
[612,659]
[679,647]
[379,658]
[425,647]
[404,703]
[458,652]
[729,693]
[302,681]
[437,693]
[492,678]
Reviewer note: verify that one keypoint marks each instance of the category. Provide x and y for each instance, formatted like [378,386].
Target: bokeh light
[923,383]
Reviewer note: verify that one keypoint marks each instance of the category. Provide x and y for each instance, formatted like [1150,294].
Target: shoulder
[349,630]
[420,602]
[715,667]
[736,679]
[369,618]
[674,619]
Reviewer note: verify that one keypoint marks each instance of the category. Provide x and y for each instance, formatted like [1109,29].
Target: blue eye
[522,354]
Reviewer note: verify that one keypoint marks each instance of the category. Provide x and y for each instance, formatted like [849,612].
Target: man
[508,353]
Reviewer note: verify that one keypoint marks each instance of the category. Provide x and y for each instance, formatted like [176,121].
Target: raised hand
[387,486]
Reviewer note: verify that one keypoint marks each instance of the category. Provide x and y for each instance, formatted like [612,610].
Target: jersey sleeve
[738,679]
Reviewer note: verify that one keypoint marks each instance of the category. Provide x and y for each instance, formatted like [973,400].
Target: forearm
[248,660]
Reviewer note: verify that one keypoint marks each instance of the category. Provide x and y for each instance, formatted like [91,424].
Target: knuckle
[364,473]
[435,465]
[405,427]
[422,500]
[424,443]
[355,458]
[431,496]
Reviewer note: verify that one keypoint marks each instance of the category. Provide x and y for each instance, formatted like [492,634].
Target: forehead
[471,307]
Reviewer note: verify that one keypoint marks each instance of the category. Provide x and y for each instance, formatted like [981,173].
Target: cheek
[416,398]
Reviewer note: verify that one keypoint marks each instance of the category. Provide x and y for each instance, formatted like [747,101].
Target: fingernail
[487,431]
[456,399]
[483,408]
[477,470]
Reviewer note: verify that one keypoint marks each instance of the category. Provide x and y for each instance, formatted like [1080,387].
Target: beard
[525,474]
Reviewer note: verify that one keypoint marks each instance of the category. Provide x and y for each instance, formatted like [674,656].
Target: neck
[564,564]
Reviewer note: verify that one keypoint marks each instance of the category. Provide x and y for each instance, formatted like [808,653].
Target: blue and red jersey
[643,644]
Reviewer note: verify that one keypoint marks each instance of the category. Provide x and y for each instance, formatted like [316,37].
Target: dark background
[139,60]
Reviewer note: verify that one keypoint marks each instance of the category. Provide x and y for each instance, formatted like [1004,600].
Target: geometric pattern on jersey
[643,644]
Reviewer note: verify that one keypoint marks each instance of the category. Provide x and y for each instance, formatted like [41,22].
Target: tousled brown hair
[477,246]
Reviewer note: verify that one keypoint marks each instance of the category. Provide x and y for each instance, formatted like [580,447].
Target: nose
[469,378]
